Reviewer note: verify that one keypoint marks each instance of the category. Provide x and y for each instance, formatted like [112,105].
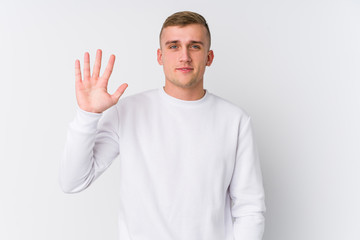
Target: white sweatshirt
[189,170]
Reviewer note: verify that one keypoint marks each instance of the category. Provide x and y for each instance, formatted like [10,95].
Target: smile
[185,70]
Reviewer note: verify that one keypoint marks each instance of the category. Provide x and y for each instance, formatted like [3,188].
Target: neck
[187,94]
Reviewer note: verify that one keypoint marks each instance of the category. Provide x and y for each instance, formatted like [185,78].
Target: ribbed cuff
[85,121]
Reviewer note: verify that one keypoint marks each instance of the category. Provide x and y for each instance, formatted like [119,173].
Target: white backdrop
[294,66]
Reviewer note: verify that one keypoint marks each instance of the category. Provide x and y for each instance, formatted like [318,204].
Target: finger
[86,66]
[119,92]
[97,65]
[108,69]
[77,72]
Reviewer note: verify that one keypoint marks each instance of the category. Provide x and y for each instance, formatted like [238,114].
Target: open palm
[91,91]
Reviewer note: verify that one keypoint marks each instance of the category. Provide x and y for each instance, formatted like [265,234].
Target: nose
[185,56]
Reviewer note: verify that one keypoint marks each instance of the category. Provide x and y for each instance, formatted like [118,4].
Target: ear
[210,58]
[159,56]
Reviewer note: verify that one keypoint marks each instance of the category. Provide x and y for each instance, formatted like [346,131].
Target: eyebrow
[191,42]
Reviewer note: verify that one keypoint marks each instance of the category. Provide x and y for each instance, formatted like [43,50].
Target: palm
[91,91]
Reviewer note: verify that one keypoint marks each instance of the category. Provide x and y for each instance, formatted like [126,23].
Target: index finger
[109,68]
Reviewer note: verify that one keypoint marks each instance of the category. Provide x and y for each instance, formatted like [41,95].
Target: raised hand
[91,91]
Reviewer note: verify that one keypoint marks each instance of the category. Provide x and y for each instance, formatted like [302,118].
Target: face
[184,53]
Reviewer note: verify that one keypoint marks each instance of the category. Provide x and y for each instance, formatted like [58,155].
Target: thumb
[117,94]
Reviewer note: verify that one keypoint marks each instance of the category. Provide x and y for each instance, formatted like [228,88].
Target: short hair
[183,19]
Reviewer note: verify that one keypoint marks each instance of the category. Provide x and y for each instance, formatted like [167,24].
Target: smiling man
[189,169]
[184,52]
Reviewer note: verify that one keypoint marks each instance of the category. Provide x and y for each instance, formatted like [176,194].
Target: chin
[184,83]
[187,84]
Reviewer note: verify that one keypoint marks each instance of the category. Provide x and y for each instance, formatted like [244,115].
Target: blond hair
[185,18]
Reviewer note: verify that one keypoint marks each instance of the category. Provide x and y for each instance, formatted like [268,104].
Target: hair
[185,18]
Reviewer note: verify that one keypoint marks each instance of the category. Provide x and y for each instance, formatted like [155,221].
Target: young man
[189,167]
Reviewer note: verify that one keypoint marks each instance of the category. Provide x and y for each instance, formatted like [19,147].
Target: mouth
[185,69]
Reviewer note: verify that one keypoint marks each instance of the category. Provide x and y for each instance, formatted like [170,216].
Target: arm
[91,146]
[92,140]
[246,189]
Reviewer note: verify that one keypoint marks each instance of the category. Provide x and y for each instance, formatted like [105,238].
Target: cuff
[85,121]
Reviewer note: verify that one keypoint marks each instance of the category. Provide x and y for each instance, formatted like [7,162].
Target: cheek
[169,61]
[201,59]
[167,66]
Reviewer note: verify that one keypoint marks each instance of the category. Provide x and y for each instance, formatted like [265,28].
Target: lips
[185,69]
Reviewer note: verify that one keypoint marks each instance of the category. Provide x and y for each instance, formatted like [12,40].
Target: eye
[196,46]
[172,46]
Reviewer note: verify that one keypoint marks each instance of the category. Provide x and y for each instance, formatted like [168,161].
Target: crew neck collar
[181,102]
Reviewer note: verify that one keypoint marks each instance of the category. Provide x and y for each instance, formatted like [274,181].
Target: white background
[294,66]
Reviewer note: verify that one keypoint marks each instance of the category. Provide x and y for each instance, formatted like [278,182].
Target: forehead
[192,32]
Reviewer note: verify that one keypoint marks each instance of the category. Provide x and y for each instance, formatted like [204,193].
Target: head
[185,49]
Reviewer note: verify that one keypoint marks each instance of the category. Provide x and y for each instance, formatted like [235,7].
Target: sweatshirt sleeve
[246,188]
[91,146]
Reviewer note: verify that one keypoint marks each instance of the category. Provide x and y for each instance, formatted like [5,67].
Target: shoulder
[228,107]
[138,99]
[141,96]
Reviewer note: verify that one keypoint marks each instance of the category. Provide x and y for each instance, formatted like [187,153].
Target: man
[189,169]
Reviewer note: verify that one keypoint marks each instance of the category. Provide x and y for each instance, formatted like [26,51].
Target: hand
[91,92]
